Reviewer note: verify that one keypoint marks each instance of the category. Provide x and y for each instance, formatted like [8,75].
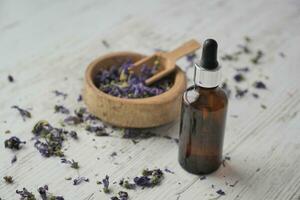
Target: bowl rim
[177,88]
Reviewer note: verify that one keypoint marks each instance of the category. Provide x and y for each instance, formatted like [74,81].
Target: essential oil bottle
[203,116]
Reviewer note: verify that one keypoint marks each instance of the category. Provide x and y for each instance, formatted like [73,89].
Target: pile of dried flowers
[119,82]
[49,140]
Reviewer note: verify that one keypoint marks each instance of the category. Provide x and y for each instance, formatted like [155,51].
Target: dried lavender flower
[123,195]
[73,120]
[61,109]
[191,57]
[105,182]
[79,98]
[25,194]
[256,59]
[13,143]
[10,78]
[282,55]
[105,43]
[8,179]
[14,159]
[259,85]
[43,191]
[80,115]
[244,69]
[127,185]
[79,180]
[113,154]
[245,48]
[49,140]
[58,93]
[73,134]
[263,106]
[169,171]
[240,93]
[72,163]
[255,95]
[239,77]
[247,39]
[149,178]
[120,83]
[132,133]
[230,57]
[48,150]
[98,130]
[143,181]
[24,113]
[220,192]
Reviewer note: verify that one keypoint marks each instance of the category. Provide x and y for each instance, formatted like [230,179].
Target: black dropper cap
[209,55]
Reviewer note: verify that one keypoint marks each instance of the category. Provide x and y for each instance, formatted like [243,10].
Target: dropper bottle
[203,116]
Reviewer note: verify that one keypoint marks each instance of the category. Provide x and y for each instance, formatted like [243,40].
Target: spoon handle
[184,49]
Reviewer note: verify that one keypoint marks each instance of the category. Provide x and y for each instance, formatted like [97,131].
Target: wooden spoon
[165,61]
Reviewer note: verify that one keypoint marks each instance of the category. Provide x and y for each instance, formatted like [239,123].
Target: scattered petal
[79,180]
[8,179]
[58,93]
[13,143]
[24,113]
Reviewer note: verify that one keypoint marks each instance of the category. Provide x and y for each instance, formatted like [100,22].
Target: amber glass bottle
[203,116]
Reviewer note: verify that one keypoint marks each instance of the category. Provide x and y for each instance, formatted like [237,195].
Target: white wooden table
[41,42]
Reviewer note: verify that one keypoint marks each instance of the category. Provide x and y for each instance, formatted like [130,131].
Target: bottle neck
[207,78]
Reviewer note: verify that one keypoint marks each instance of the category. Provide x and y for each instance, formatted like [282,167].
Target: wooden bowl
[132,113]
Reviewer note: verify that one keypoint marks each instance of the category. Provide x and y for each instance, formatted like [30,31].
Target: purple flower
[123,195]
[24,113]
[43,148]
[120,83]
[72,120]
[150,178]
[259,85]
[43,191]
[14,159]
[61,109]
[142,181]
[58,93]
[220,192]
[105,182]
[72,163]
[79,180]
[25,194]
[169,171]
[10,78]
[13,143]
[79,98]
[191,57]
[49,140]
[98,130]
